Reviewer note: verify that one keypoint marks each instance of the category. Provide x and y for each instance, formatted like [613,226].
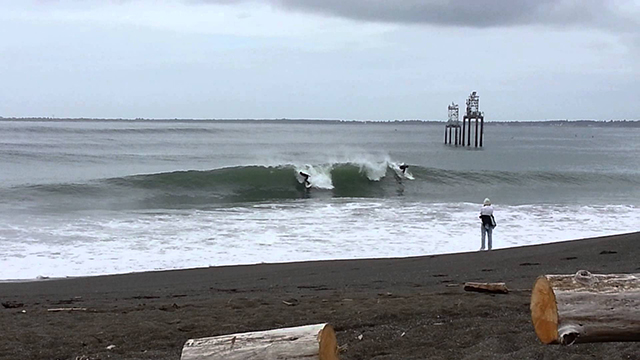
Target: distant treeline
[576,123]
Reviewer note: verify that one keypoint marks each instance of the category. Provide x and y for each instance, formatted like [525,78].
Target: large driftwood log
[585,307]
[305,342]
[499,288]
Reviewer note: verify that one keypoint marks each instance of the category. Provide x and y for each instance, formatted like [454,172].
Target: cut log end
[544,311]
[328,344]
[586,307]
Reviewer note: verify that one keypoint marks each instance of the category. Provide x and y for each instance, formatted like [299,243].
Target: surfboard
[406,175]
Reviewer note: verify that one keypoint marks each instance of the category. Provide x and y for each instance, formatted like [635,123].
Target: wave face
[246,184]
[196,188]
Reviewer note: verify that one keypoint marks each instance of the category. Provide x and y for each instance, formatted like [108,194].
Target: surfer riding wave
[306,182]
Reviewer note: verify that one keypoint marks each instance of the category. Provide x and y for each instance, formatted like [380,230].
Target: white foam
[106,243]
[374,170]
[319,175]
[372,165]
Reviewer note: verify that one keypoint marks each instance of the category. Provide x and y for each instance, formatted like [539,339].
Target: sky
[319,59]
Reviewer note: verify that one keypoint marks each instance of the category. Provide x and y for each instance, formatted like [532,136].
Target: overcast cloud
[356,59]
[471,13]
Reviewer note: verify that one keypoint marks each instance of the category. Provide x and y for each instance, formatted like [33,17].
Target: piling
[453,125]
[473,115]
[481,129]
[463,133]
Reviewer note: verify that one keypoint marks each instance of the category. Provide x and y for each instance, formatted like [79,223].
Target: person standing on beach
[488,223]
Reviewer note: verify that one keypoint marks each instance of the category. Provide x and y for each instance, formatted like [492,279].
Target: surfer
[306,182]
[402,173]
[399,176]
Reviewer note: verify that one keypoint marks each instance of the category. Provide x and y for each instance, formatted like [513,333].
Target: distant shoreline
[573,123]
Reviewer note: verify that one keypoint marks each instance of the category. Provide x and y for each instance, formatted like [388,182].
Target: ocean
[93,197]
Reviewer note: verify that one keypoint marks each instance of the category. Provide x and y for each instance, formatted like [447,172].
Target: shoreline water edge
[396,308]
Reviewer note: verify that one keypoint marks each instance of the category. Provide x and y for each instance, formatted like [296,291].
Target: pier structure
[473,113]
[453,125]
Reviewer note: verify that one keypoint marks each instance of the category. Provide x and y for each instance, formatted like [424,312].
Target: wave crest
[255,183]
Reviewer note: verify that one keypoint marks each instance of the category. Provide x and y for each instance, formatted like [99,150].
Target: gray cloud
[469,13]
[172,63]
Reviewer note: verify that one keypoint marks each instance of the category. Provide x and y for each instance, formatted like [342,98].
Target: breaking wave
[256,183]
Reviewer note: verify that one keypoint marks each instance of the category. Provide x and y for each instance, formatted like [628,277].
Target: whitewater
[103,197]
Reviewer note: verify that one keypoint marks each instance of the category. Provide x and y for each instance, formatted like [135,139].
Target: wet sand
[408,308]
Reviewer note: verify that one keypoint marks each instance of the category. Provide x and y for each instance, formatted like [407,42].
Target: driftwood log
[498,288]
[585,307]
[67,309]
[310,342]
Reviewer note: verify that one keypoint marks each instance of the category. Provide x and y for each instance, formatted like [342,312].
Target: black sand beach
[408,308]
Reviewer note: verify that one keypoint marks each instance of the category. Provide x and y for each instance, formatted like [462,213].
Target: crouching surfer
[306,182]
[399,175]
[402,173]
